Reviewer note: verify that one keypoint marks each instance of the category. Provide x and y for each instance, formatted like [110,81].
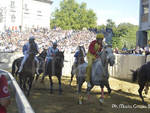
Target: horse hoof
[101,100]
[80,102]
[145,103]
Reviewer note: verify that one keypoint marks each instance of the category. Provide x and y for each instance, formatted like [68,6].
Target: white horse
[99,75]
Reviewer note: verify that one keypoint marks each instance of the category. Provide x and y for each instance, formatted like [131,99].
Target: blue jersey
[51,51]
[26,48]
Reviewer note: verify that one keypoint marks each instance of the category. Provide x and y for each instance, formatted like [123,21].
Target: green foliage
[72,15]
[116,42]
[110,24]
[128,33]
[124,33]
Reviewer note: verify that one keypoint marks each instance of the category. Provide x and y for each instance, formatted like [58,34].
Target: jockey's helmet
[31,38]
[54,43]
[100,36]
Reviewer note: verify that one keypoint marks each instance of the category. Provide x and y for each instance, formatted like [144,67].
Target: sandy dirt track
[123,99]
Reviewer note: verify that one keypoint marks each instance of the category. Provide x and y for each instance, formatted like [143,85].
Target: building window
[26,7]
[39,11]
[146,9]
[12,4]
[13,18]
[1,15]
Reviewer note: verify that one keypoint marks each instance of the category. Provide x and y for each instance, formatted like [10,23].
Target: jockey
[77,54]
[94,48]
[51,52]
[26,53]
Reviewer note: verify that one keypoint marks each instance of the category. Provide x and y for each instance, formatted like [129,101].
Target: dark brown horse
[40,57]
[26,76]
[142,75]
[54,68]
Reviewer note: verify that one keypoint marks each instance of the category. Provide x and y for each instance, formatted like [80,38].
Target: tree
[116,42]
[124,33]
[72,15]
[110,24]
[127,34]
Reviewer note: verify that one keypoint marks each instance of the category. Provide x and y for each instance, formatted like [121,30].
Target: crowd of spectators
[68,40]
[137,50]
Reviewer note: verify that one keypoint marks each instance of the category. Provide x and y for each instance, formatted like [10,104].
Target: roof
[46,1]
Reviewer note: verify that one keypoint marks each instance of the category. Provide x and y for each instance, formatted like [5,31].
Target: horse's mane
[33,49]
[43,54]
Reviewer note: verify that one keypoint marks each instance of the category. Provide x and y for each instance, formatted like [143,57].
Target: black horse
[54,68]
[143,77]
[41,57]
[26,76]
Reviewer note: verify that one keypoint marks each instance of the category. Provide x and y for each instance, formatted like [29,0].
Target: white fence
[22,103]
[120,70]
[123,65]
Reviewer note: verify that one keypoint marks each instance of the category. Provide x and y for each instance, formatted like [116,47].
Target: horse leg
[146,88]
[108,86]
[30,85]
[79,91]
[80,81]
[88,90]
[142,84]
[20,82]
[101,100]
[17,72]
[37,77]
[51,84]
[60,89]
[72,75]
[24,85]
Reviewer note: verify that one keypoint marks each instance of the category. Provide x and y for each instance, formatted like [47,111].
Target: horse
[40,57]
[80,60]
[16,63]
[26,76]
[142,76]
[99,74]
[54,68]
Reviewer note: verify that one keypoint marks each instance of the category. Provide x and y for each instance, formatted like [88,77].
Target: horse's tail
[13,68]
[134,75]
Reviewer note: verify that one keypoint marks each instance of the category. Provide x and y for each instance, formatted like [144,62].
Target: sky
[118,10]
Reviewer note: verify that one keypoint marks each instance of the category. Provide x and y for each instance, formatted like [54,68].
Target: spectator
[124,49]
[4,94]
[116,50]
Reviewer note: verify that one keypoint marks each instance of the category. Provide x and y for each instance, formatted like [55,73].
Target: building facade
[24,14]
[144,23]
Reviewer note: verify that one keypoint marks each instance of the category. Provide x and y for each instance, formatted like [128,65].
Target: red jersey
[4,93]
[94,47]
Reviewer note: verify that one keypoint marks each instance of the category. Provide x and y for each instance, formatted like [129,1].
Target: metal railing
[22,102]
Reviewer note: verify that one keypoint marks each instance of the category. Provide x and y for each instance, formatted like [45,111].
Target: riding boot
[22,63]
[20,69]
